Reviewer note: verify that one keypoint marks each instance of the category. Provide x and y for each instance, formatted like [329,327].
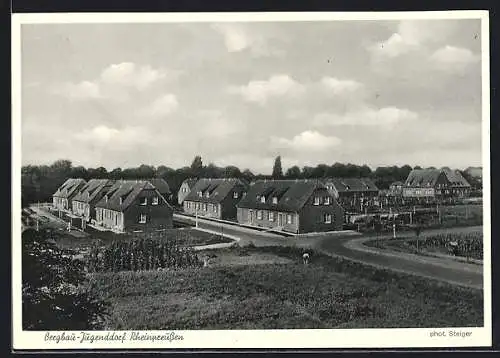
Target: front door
[280,220]
[251,217]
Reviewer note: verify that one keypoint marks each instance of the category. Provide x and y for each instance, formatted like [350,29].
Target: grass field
[468,245]
[266,288]
[183,237]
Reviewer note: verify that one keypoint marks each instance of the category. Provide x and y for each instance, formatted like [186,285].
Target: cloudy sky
[365,92]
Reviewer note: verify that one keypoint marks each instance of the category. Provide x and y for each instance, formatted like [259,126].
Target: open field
[462,245]
[266,288]
[181,237]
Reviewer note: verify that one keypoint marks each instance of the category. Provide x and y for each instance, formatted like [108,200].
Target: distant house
[396,189]
[162,187]
[185,188]
[426,183]
[63,197]
[296,206]
[459,186]
[214,198]
[88,196]
[133,206]
[354,194]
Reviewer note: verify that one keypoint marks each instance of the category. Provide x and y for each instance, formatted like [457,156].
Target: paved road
[351,247]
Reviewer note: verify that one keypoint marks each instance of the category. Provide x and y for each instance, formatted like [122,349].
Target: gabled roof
[70,187]
[219,189]
[190,182]
[423,177]
[292,195]
[350,185]
[92,189]
[161,185]
[455,177]
[123,193]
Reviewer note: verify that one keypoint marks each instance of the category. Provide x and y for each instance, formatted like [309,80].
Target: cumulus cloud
[306,141]
[130,74]
[453,58]
[114,82]
[161,106]
[338,86]
[411,35]
[114,138]
[384,117]
[276,86]
[235,38]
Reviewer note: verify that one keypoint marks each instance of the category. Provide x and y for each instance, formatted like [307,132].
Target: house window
[116,219]
[275,200]
[271,216]
[327,218]
[316,200]
[215,208]
[200,194]
[155,201]
[327,200]
[142,219]
[262,199]
[144,201]
[235,195]
[207,194]
[288,219]
[205,207]
[259,214]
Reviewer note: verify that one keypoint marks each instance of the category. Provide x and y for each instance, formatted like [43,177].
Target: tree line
[39,182]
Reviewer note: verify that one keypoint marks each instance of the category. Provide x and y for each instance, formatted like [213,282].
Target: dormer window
[121,200]
[275,200]
[144,201]
[327,200]
[200,194]
[235,195]
[106,198]
[262,199]
[88,194]
[316,200]
[207,194]
[155,201]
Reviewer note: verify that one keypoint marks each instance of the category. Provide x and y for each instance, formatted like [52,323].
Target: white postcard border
[206,339]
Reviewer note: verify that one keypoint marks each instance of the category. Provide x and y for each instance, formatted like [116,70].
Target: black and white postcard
[251,180]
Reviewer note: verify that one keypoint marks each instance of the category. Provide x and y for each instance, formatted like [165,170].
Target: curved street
[352,248]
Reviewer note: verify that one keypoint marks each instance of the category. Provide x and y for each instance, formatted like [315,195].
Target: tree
[54,297]
[293,172]
[197,166]
[277,169]
[116,174]
[232,172]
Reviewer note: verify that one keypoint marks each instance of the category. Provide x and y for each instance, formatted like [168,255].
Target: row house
[62,199]
[214,198]
[354,194]
[89,195]
[185,189]
[459,187]
[426,184]
[295,206]
[134,206]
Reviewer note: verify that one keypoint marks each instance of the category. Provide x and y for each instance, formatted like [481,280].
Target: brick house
[353,194]
[88,196]
[296,206]
[63,197]
[427,184]
[133,206]
[215,198]
[162,186]
[185,188]
[459,186]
